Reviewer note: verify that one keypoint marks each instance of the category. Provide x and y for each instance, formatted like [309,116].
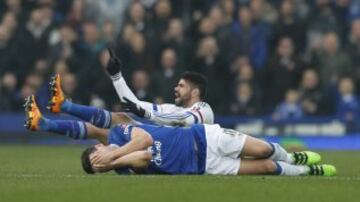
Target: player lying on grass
[189,107]
[199,149]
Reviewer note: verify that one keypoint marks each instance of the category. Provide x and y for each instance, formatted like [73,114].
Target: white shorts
[224,147]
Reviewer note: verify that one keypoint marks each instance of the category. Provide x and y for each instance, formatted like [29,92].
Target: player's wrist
[116,76]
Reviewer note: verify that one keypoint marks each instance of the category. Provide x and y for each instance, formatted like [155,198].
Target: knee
[264,151]
[269,166]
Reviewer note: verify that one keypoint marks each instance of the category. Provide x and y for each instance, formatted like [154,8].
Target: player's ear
[195,92]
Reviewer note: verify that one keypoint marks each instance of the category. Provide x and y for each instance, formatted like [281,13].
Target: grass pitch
[53,173]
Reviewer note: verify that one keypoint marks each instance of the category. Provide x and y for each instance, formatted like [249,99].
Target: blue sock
[98,117]
[69,128]
[279,169]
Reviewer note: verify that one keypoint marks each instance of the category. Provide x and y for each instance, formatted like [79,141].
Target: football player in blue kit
[199,149]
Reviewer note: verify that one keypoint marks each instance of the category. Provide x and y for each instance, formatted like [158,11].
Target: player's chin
[177,101]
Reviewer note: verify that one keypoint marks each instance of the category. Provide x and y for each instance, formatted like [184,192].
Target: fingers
[127,100]
[111,52]
[100,168]
[95,158]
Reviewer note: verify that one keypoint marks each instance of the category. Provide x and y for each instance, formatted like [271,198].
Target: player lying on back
[199,149]
[189,107]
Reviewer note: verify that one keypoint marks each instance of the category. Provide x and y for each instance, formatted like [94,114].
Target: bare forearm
[140,140]
[137,159]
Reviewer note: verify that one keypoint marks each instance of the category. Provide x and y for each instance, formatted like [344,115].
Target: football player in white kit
[189,107]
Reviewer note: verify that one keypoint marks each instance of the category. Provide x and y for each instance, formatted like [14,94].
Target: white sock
[280,154]
[291,170]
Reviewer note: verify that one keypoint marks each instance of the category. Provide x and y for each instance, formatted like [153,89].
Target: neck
[192,102]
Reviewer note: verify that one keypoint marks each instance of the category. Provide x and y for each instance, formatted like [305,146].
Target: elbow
[147,156]
[143,138]
[147,140]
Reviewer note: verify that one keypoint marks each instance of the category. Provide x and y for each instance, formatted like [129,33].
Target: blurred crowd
[285,58]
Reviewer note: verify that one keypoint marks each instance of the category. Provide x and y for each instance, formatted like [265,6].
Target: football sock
[73,129]
[280,154]
[283,168]
[98,117]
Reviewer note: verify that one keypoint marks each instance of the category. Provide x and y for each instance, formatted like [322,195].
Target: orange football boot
[33,114]
[57,95]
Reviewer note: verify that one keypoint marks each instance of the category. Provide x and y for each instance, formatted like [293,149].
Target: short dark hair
[198,80]
[85,160]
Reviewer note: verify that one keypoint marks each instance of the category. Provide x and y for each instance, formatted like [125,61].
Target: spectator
[290,25]
[70,87]
[228,7]
[108,32]
[65,48]
[353,50]
[76,15]
[209,62]
[347,107]
[245,74]
[249,38]
[321,20]
[290,109]
[165,80]
[140,84]
[284,71]
[223,30]
[8,60]
[34,37]
[263,11]
[8,84]
[175,38]
[61,67]
[92,41]
[139,57]
[331,61]
[311,97]
[137,17]
[107,12]
[10,22]
[244,102]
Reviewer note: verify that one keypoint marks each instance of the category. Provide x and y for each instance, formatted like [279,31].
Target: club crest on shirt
[125,127]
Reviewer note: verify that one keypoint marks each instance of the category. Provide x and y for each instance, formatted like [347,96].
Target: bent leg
[259,149]
[96,116]
[74,129]
[266,166]
[100,134]
[257,167]
[256,148]
[122,118]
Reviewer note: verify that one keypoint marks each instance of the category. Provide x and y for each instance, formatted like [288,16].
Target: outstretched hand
[130,106]
[114,64]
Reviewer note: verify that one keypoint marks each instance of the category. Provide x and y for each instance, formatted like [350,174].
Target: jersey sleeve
[168,114]
[120,135]
[202,113]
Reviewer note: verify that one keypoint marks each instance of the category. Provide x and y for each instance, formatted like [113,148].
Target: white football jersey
[170,114]
[167,114]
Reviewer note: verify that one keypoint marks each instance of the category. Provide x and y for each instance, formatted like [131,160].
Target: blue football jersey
[175,150]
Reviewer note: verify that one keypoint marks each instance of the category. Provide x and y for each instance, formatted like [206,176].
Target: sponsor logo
[156,153]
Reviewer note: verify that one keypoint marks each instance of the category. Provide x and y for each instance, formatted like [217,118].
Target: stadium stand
[272,65]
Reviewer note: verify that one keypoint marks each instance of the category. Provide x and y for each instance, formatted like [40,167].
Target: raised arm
[199,113]
[114,67]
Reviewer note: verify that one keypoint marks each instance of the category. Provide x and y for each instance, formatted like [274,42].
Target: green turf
[38,173]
